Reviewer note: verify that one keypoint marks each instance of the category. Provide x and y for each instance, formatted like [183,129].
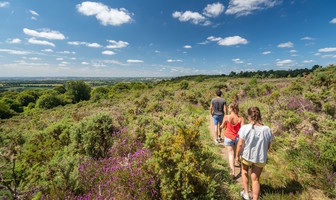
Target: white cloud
[84,63]
[64,52]
[307,38]
[48,50]
[214,39]
[108,53]
[33,18]
[281,63]
[116,44]
[213,10]
[48,34]
[317,54]
[157,51]
[34,58]
[4,4]
[286,45]
[104,14]
[266,52]
[171,60]
[40,42]
[246,7]
[234,40]
[308,61]
[292,51]
[94,45]
[134,61]
[237,61]
[329,49]
[193,17]
[333,21]
[34,13]
[59,58]
[14,41]
[14,52]
[187,47]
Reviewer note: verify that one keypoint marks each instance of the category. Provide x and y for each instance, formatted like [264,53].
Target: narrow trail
[225,156]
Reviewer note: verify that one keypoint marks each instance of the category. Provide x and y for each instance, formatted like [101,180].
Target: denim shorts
[229,142]
[218,119]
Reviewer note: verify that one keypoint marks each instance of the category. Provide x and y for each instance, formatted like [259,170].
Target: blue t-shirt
[256,143]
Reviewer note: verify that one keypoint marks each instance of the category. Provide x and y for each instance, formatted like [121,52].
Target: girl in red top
[232,124]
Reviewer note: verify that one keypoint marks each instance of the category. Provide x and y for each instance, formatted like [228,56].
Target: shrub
[5,112]
[95,135]
[290,119]
[99,93]
[329,108]
[78,90]
[184,85]
[48,101]
[24,99]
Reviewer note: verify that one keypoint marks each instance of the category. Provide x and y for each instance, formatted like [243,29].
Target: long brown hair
[234,106]
[254,114]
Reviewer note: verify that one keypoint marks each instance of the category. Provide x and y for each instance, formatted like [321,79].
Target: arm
[224,122]
[239,148]
[242,121]
[225,108]
[211,109]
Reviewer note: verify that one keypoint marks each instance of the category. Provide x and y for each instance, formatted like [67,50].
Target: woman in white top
[254,141]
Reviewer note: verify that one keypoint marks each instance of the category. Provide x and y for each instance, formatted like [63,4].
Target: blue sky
[126,38]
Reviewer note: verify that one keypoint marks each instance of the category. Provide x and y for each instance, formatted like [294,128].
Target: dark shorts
[217,119]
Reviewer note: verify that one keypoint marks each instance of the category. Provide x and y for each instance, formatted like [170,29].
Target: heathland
[150,139]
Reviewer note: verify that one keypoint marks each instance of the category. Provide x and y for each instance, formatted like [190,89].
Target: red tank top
[231,130]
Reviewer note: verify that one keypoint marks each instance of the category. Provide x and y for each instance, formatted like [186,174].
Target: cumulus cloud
[171,60]
[46,33]
[34,58]
[14,52]
[281,63]
[40,42]
[237,61]
[308,61]
[4,4]
[59,59]
[292,51]
[34,13]
[134,61]
[333,21]
[193,17]
[88,44]
[307,38]
[234,40]
[286,45]
[246,7]
[116,44]
[328,49]
[108,53]
[94,45]
[48,50]
[187,47]
[14,41]
[104,14]
[214,39]
[266,52]
[213,10]
[84,63]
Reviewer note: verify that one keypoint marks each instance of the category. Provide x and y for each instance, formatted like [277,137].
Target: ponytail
[255,115]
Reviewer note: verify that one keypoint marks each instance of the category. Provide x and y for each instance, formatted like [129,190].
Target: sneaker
[244,195]
[216,141]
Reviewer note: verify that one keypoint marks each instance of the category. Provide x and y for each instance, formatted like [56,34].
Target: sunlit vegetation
[150,140]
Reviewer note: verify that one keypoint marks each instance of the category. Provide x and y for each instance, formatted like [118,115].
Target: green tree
[48,101]
[5,112]
[24,98]
[78,90]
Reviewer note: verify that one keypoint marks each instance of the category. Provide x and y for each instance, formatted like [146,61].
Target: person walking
[218,110]
[254,142]
[232,124]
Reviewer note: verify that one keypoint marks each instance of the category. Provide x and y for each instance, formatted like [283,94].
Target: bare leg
[256,171]
[231,159]
[216,131]
[245,179]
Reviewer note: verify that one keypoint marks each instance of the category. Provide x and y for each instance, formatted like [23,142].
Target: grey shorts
[229,142]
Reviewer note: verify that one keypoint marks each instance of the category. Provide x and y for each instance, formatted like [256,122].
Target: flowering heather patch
[299,103]
[118,178]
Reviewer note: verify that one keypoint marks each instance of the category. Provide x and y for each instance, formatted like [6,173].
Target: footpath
[224,154]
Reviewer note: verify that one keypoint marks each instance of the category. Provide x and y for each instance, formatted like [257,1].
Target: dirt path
[224,152]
